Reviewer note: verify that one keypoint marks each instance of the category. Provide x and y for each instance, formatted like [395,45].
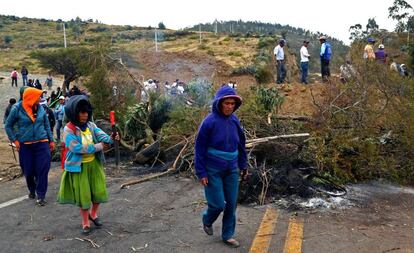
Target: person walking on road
[49,81]
[220,156]
[59,114]
[33,140]
[304,61]
[14,75]
[325,55]
[25,74]
[12,101]
[83,179]
[50,113]
[280,61]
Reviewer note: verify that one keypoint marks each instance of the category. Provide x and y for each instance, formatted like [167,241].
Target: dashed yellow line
[265,232]
[293,243]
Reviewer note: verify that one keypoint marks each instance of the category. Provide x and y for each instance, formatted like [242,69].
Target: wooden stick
[172,169]
[250,143]
[294,117]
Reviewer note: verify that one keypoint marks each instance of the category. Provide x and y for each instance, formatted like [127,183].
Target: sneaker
[208,229]
[41,202]
[233,243]
[32,195]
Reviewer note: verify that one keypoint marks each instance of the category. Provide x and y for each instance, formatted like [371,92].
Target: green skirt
[85,187]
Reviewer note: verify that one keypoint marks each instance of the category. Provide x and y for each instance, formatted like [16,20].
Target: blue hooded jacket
[220,141]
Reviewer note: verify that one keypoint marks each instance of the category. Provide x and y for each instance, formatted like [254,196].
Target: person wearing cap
[220,157]
[381,55]
[304,61]
[325,55]
[369,49]
[28,128]
[280,61]
[59,114]
[50,113]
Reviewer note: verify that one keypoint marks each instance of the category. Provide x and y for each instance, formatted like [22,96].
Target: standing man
[28,128]
[280,61]
[59,113]
[14,75]
[325,55]
[304,61]
[24,73]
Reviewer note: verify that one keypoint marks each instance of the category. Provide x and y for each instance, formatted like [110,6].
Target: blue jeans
[35,161]
[24,77]
[305,68]
[281,71]
[59,124]
[221,194]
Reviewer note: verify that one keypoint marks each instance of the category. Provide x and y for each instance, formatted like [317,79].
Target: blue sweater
[220,140]
[27,130]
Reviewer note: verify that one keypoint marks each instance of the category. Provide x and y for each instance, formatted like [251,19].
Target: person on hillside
[325,55]
[347,72]
[304,61]
[219,157]
[34,142]
[14,75]
[369,53]
[280,61]
[83,180]
[30,83]
[12,101]
[49,81]
[50,113]
[381,55]
[59,115]
[25,74]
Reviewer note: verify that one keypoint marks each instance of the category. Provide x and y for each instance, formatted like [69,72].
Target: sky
[333,17]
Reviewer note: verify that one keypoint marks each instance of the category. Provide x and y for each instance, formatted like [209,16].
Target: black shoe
[32,195]
[208,229]
[41,202]
[96,221]
[86,230]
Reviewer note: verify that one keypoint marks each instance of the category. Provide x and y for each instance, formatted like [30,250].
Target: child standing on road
[83,180]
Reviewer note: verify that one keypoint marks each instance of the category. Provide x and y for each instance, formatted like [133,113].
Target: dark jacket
[222,134]
[7,112]
[50,116]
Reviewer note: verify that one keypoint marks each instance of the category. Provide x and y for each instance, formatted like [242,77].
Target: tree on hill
[161,26]
[400,11]
[72,63]
[372,26]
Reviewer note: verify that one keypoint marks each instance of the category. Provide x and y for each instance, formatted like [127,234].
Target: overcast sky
[331,17]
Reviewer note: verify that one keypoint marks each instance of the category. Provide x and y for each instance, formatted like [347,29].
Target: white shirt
[279,53]
[304,55]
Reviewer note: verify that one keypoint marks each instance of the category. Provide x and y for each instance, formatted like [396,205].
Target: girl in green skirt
[83,180]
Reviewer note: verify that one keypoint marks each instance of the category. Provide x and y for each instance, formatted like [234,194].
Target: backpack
[328,52]
[14,74]
[72,127]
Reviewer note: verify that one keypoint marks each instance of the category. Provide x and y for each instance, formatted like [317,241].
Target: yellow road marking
[265,232]
[294,237]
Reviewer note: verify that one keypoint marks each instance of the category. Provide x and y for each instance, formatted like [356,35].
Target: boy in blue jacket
[219,156]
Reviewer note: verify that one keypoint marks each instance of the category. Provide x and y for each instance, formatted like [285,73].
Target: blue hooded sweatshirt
[220,142]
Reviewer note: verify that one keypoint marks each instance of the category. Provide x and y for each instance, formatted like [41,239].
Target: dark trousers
[281,71]
[59,125]
[35,162]
[221,194]
[325,71]
[14,81]
[305,68]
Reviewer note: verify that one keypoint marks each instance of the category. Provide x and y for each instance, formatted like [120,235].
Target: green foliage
[161,26]
[136,121]
[100,87]
[235,53]
[7,39]
[269,98]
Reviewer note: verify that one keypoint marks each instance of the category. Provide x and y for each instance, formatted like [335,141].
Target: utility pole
[215,28]
[156,40]
[64,34]
[199,31]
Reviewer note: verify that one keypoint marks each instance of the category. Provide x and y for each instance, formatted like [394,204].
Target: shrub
[235,53]
[8,39]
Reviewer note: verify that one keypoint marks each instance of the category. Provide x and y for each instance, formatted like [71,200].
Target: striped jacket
[73,142]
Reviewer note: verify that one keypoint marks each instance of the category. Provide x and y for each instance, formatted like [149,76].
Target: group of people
[35,83]
[220,156]
[325,58]
[379,54]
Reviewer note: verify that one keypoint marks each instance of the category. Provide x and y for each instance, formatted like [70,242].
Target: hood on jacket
[223,93]
[75,105]
[31,97]
[21,91]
